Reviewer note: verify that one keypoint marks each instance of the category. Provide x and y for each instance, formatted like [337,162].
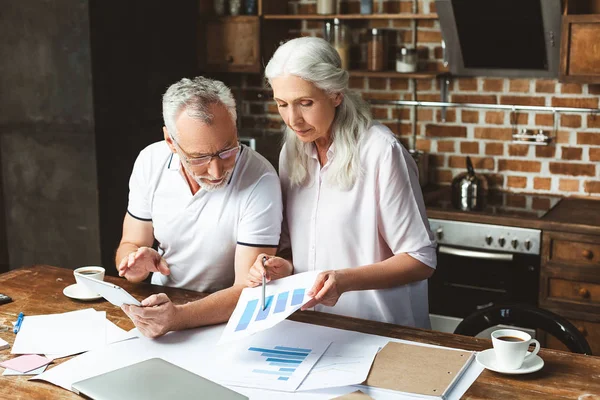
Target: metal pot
[422,160]
[469,190]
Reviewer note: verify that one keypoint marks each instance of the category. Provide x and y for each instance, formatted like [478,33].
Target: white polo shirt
[382,215]
[198,234]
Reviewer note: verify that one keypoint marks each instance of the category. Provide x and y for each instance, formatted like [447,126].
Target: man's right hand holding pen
[272,269]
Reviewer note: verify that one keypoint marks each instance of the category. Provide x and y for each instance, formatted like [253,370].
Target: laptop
[153,379]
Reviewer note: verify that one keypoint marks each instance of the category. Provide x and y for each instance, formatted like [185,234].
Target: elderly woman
[353,205]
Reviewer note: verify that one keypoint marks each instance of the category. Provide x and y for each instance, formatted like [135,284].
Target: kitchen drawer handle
[587,254]
[583,292]
[474,254]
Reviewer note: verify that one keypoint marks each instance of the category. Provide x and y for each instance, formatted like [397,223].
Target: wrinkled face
[306,109]
[207,152]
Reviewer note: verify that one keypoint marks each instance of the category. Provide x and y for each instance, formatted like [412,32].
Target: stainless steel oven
[480,265]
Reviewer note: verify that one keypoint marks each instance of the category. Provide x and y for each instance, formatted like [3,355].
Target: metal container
[469,190]
[422,160]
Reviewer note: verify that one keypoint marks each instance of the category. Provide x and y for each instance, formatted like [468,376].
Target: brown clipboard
[418,369]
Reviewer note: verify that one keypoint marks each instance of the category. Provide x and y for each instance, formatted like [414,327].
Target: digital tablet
[111,292]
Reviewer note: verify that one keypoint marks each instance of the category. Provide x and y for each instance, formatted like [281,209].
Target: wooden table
[38,290]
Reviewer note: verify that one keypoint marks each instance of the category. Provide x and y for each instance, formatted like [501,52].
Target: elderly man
[211,204]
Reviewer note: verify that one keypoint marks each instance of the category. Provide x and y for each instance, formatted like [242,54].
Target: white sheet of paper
[71,332]
[342,364]
[195,349]
[37,371]
[268,362]
[4,344]
[282,298]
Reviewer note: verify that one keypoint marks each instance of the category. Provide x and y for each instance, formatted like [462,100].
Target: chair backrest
[526,316]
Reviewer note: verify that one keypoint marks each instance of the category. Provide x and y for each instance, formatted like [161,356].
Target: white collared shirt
[382,215]
[198,233]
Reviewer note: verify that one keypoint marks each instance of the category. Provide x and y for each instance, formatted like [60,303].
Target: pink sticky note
[25,363]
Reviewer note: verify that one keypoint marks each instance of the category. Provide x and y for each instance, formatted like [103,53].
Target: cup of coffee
[510,346]
[89,271]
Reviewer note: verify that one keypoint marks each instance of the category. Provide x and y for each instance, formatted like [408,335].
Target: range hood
[507,38]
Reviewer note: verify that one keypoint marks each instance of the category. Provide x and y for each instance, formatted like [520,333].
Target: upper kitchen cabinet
[580,52]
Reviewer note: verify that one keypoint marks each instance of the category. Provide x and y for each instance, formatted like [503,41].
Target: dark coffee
[510,339]
[88,272]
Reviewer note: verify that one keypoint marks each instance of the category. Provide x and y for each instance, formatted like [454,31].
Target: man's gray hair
[195,96]
[315,60]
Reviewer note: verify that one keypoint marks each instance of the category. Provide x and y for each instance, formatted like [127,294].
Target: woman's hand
[327,289]
[274,268]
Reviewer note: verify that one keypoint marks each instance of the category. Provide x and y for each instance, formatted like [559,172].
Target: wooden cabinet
[232,44]
[570,282]
[580,53]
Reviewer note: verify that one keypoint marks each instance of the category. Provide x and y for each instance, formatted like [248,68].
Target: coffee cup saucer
[78,292]
[487,358]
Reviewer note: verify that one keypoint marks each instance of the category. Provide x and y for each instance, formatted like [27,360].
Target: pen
[264,284]
[19,323]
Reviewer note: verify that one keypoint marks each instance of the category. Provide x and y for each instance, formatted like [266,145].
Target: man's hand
[157,316]
[326,290]
[136,266]
[274,268]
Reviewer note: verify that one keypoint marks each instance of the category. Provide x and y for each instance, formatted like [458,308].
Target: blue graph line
[264,371]
[277,364]
[283,378]
[297,297]
[281,302]
[285,356]
[287,369]
[247,315]
[292,349]
[263,314]
[279,360]
[274,352]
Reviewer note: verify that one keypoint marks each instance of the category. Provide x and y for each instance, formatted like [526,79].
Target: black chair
[525,316]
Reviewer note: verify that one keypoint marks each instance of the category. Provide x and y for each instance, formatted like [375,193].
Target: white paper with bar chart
[282,298]
[268,362]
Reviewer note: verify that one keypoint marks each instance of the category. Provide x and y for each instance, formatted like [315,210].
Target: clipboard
[422,370]
[114,294]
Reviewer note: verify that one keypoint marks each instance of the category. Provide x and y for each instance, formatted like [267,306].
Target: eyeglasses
[226,154]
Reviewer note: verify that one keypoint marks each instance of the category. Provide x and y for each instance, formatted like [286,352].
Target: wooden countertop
[38,290]
[571,215]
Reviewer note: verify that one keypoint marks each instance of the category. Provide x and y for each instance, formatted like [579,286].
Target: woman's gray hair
[315,60]
[195,96]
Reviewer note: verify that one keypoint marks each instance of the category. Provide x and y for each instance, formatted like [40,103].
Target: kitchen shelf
[349,16]
[394,74]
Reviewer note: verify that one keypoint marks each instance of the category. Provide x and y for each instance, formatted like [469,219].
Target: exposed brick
[545,86]
[357,82]
[588,138]
[404,142]
[469,147]
[423,84]
[519,182]
[545,151]
[474,98]
[594,154]
[572,153]
[257,109]
[568,185]
[429,36]
[570,121]
[467,84]
[437,160]
[494,149]
[445,146]
[401,114]
[519,118]
[593,120]
[519,165]
[428,97]
[470,117]
[519,85]
[445,131]
[478,162]
[594,89]
[541,203]
[423,145]
[272,108]
[518,150]
[450,115]
[494,117]
[398,84]
[571,88]
[572,169]
[582,102]
[563,137]
[516,200]
[592,187]
[438,53]
[493,133]
[380,96]
[523,100]
[542,183]
[544,119]
[380,112]
[424,114]
[442,176]
[493,85]
[377,83]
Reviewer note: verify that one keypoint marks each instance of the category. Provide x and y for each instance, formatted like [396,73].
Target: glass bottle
[339,36]
[376,52]
[326,6]
[406,61]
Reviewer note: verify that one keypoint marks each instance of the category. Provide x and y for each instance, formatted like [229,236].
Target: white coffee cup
[510,346]
[89,271]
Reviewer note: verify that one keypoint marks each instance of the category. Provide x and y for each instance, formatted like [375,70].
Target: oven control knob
[488,240]
[439,233]
[501,241]
[528,244]
[514,243]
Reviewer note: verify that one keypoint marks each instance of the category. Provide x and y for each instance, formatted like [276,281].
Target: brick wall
[568,166]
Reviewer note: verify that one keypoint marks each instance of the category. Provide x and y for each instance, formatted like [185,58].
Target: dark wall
[46,134]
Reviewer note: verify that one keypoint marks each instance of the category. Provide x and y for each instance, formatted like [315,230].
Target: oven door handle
[475,254]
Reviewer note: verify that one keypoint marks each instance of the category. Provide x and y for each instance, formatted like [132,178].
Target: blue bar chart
[280,361]
[281,304]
